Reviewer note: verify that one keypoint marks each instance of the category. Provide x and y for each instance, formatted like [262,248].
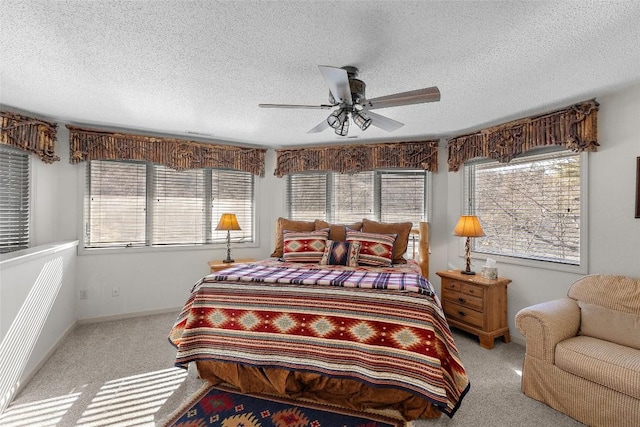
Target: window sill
[532,263]
[168,248]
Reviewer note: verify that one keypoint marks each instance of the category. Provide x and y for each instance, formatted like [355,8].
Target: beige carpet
[121,373]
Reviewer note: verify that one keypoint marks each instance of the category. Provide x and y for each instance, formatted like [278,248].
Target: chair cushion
[602,362]
[611,325]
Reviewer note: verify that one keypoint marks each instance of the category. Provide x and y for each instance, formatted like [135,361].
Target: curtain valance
[29,134]
[574,127]
[87,144]
[358,158]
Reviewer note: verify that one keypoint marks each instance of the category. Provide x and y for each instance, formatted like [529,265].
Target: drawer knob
[462,300]
[462,313]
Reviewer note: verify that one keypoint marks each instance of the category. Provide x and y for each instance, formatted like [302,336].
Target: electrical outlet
[115,292]
[83,294]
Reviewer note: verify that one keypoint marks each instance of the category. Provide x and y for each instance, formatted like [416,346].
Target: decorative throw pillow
[401,229]
[287,224]
[610,325]
[375,249]
[337,232]
[341,253]
[304,246]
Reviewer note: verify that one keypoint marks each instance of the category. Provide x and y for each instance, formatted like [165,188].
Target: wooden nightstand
[476,305]
[217,265]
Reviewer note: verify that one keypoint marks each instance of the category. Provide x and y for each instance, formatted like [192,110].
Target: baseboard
[128,315]
[518,340]
[24,381]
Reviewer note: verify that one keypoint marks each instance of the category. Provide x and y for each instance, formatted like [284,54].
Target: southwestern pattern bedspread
[384,329]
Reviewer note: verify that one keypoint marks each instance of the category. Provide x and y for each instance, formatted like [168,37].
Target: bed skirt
[338,391]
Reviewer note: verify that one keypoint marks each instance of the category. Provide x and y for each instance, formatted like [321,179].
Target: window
[14,199]
[142,204]
[528,208]
[388,196]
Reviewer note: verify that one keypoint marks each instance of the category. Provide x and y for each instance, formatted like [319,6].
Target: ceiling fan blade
[338,81]
[384,123]
[320,127]
[314,107]
[429,94]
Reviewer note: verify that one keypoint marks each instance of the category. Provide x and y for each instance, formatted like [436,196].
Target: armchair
[583,352]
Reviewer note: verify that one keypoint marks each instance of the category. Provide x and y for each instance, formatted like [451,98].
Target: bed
[364,335]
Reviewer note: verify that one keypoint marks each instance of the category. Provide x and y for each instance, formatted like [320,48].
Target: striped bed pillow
[304,246]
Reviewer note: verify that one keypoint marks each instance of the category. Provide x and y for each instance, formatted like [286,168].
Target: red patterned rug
[222,406]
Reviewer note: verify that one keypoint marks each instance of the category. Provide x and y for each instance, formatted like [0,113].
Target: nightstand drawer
[463,314]
[464,299]
[468,289]
[452,285]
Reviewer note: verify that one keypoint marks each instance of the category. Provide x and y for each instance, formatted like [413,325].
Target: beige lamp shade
[468,226]
[228,221]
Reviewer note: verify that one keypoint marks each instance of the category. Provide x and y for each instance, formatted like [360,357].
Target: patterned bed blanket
[385,329]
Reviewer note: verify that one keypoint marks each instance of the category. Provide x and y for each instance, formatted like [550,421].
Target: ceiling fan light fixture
[337,118]
[361,119]
[343,129]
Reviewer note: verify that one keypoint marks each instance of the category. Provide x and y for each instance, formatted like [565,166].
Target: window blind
[178,208]
[232,192]
[115,204]
[307,196]
[352,197]
[14,200]
[528,208]
[402,197]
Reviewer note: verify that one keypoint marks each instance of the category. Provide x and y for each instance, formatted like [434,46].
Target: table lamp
[228,221]
[468,226]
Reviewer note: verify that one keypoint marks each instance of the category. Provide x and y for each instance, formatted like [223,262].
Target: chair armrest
[546,324]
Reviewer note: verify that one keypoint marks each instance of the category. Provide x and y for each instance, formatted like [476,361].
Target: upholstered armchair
[583,352]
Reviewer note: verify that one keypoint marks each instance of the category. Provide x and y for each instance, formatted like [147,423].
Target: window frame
[582,267]
[83,250]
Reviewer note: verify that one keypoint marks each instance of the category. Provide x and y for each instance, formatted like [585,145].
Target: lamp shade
[468,226]
[228,221]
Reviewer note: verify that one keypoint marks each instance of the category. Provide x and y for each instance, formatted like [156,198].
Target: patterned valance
[358,158]
[574,127]
[29,134]
[86,144]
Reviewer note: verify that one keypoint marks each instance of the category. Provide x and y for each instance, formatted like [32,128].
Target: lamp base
[468,273]
[228,260]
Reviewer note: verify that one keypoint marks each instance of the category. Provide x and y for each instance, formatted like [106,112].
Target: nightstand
[476,305]
[217,265]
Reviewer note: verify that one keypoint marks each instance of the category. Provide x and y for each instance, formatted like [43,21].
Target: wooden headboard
[423,248]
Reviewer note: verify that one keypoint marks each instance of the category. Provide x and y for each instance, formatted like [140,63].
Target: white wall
[37,307]
[614,233]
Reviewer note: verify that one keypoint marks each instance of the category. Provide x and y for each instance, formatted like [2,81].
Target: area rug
[222,406]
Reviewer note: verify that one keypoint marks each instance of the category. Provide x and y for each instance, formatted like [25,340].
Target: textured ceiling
[188,68]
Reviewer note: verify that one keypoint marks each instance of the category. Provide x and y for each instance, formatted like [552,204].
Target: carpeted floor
[121,373]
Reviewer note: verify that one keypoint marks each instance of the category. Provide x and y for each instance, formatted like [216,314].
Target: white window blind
[137,203]
[389,196]
[178,207]
[402,197]
[528,208]
[232,191]
[352,197]
[115,204]
[307,196]
[14,199]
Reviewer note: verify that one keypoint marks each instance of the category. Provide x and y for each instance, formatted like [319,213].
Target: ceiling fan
[346,92]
